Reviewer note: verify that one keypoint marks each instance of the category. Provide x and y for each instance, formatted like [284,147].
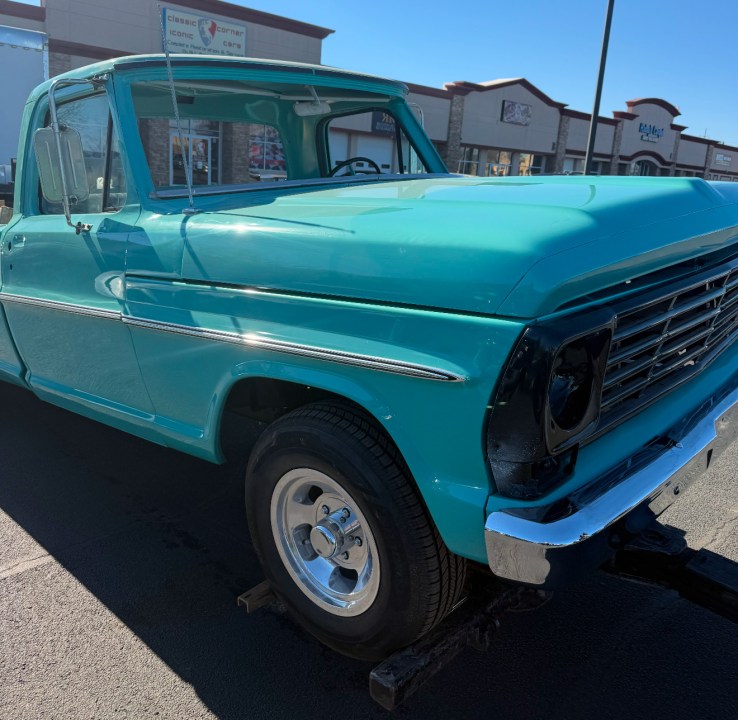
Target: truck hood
[517,247]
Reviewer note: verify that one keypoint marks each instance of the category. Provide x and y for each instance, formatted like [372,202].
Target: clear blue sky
[684,51]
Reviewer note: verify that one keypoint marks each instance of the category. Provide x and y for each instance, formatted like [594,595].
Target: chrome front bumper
[548,547]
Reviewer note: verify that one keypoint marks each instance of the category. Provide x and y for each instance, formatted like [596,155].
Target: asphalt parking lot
[120,562]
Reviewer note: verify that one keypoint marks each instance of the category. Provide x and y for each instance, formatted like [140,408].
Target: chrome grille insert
[665,336]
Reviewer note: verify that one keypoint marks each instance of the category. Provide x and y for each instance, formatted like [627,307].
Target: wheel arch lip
[454,503]
[323,378]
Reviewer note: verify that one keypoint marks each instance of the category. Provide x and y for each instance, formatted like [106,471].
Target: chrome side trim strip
[535,552]
[397,367]
[62,306]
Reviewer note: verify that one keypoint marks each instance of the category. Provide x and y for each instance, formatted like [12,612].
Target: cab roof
[300,70]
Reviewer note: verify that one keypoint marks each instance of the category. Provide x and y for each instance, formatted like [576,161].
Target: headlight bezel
[528,450]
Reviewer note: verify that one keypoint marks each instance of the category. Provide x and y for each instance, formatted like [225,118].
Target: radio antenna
[191,210]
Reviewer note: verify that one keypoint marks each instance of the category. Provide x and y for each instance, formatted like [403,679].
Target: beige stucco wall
[579,134]
[482,124]
[267,42]
[23,23]
[134,26]
[361,122]
[435,114]
[691,153]
[125,25]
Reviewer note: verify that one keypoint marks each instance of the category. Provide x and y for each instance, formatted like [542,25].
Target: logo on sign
[721,159]
[207,29]
[382,123]
[650,133]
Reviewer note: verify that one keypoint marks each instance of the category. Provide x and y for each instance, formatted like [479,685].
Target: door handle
[17,241]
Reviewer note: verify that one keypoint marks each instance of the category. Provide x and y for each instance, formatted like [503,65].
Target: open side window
[369,141]
[90,117]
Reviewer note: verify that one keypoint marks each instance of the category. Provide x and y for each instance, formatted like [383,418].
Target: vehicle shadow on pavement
[160,539]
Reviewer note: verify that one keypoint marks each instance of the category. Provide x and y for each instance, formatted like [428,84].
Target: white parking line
[22,565]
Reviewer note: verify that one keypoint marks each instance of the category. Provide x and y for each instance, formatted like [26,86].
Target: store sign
[382,123]
[516,113]
[722,159]
[189,33]
[650,133]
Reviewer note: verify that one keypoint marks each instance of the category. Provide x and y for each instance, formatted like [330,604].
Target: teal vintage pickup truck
[450,372]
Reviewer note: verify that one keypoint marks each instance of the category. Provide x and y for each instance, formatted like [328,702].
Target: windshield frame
[396,104]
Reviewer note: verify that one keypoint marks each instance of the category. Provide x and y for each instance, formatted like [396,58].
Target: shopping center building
[499,127]
[510,127]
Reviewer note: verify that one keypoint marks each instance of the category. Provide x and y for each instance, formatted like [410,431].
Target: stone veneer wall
[59,63]
[675,154]
[561,138]
[453,144]
[155,139]
[617,141]
[235,145]
[709,156]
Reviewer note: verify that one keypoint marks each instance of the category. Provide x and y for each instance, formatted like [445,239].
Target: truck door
[63,292]
[11,367]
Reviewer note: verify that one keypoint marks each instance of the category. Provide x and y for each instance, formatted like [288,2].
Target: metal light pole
[598,92]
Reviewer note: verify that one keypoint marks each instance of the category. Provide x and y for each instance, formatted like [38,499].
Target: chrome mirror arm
[66,204]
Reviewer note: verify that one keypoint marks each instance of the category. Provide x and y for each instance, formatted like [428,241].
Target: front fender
[191,359]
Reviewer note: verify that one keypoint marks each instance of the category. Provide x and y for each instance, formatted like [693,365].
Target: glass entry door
[199,152]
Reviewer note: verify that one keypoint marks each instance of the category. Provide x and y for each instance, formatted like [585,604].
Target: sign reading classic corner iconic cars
[189,33]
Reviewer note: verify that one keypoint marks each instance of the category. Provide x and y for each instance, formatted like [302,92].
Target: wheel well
[254,403]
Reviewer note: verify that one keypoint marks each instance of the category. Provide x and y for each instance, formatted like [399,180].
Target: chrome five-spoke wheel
[325,542]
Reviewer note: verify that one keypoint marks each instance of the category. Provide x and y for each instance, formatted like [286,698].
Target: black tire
[420,580]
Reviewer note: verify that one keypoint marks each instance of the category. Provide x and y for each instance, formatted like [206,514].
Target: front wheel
[342,534]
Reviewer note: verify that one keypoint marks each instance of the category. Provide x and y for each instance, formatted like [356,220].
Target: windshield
[233,134]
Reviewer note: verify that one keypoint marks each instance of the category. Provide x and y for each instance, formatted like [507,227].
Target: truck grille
[665,337]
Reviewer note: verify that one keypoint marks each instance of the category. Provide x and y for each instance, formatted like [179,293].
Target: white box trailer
[24,63]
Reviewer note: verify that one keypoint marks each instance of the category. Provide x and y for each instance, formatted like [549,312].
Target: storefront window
[530,164]
[644,168]
[573,166]
[469,163]
[499,163]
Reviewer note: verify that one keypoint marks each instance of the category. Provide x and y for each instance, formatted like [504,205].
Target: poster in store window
[266,152]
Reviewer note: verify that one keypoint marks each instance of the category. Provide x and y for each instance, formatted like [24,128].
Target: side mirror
[53,177]
[5,214]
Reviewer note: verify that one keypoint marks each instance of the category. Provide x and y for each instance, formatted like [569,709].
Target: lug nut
[345,556]
[325,509]
[357,542]
[346,512]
